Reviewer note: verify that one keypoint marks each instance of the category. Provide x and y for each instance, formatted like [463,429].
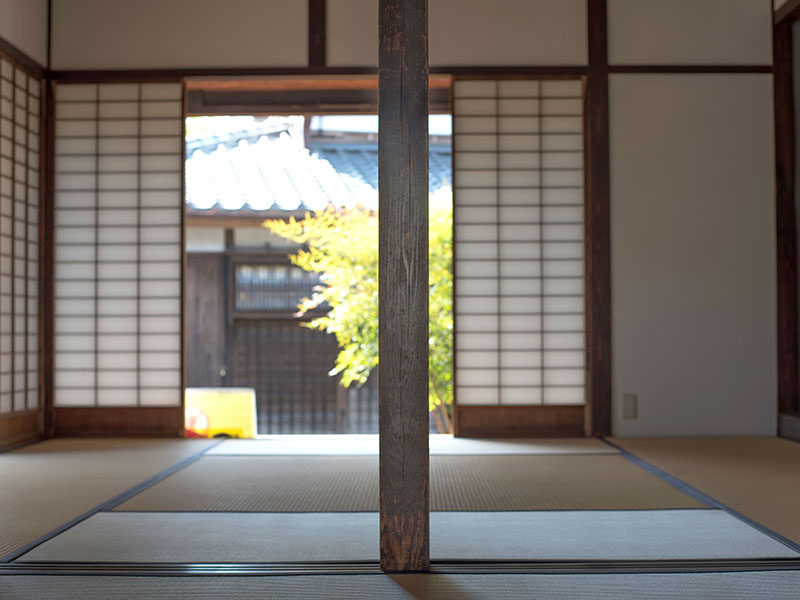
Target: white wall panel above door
[689,32]
[24,24]
[117,34]
[469,32]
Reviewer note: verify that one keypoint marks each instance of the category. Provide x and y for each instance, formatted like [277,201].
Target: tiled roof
[268,171]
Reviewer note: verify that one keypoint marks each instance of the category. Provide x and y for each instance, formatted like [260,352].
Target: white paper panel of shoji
[518,173]
[20,111]
[118,244]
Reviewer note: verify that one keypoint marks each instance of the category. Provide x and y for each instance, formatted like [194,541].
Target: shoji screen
[118,252]
[20,109]
[519,273]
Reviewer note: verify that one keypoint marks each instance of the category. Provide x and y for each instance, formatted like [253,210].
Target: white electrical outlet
[629,406]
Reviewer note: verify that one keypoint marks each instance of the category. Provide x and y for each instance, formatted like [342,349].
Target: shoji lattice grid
[20,109]
[118,254]
[519,203]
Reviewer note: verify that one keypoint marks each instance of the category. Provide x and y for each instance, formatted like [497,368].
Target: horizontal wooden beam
[689,69]
[518,421]
[788,13]
[21,58]
[296,101]
[118,422]
[167,75]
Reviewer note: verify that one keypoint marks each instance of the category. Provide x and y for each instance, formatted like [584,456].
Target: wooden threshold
[519,421]
[118,422]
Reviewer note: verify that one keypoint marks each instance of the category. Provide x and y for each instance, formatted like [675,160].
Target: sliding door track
[372,567]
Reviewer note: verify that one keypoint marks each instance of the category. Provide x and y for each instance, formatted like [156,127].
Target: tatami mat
[293,537]
[325,484]
[50,483]
[756,476]
[367,445]
[770,585]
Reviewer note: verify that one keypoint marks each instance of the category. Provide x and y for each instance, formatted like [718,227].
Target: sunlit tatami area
[277,506]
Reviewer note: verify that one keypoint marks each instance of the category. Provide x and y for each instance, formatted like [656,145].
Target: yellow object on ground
[212,412]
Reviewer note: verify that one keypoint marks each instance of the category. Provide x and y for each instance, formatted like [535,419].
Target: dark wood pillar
[786,223]
[598,240]
[403,284]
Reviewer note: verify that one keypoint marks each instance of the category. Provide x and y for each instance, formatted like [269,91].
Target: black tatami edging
[109,504]
[438,567]
[704,498]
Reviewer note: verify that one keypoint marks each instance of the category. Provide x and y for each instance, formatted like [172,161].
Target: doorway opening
[265,328]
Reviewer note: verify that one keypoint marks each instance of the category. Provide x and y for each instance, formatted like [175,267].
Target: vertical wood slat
[317,33]
[403,285]
[598,240]
[786,223]
[46,258]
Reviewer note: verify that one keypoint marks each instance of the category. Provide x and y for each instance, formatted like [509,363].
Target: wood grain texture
[205,319]
[118,422]
[403,285]
[786,221]
[20,427]
[519,421]
[598,240]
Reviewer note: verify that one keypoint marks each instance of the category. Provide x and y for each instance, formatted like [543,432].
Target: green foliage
[342,246]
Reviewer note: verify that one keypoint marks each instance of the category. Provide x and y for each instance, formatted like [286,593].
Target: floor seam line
[108,504]
[701,496]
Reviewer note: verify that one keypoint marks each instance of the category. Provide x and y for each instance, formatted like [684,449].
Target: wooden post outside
[403,285]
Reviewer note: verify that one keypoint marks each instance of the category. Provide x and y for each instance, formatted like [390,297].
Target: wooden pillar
[403,284]
[786,223]
[598,240]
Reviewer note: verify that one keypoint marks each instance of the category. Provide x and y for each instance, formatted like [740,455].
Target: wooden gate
[249,336]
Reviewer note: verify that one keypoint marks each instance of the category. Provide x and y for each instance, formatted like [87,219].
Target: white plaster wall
[693,254]
[119,34]
[469,32]
[24,24]
[689,32]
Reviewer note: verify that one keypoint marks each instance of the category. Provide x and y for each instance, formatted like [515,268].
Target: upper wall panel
[118,34]
[469,32]
[24,24]
[689,32]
